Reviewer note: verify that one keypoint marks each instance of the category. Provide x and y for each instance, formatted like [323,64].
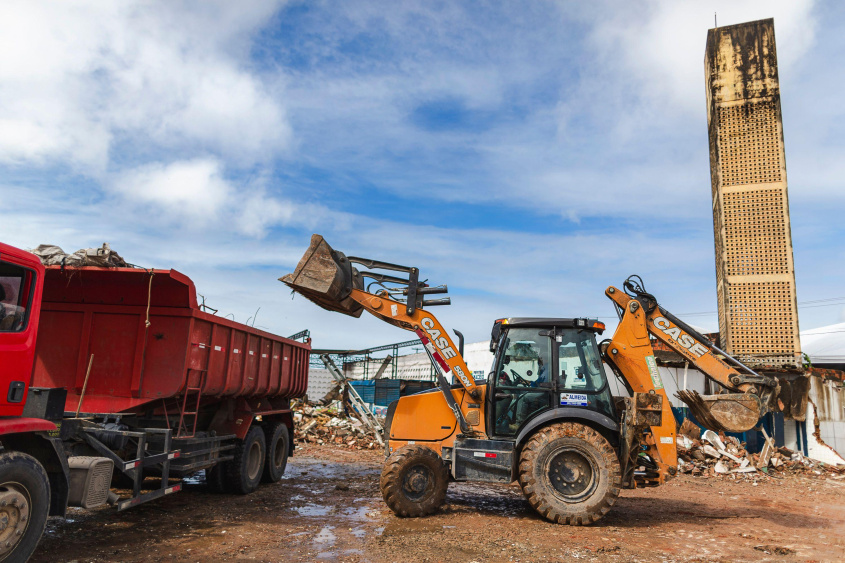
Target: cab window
[523,379]
[16,285]
[579,363]
[581,378]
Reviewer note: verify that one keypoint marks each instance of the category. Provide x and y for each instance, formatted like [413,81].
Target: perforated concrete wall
[758,318]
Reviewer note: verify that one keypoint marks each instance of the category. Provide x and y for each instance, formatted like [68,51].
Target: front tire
[24,503]
[570,474]
[414,481]
[244,471]
[278,446]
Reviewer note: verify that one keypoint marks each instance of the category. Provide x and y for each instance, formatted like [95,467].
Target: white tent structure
[825,345]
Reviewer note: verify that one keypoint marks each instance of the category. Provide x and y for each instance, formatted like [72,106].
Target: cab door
[581,380]
[521,383]
[21,279]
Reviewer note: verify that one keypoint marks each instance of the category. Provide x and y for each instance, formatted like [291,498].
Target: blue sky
[526,154]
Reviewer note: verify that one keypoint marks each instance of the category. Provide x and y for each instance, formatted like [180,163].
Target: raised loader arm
[750,395]
[328,278]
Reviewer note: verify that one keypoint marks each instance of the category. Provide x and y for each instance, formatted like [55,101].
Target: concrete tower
[758,316]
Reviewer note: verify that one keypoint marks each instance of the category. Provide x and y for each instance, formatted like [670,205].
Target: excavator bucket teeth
[730,412]
[326,277]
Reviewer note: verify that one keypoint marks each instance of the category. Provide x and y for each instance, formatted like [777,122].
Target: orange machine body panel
[425,418]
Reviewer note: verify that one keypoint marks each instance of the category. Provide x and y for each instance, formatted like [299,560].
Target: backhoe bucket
[730,412]
[326,277]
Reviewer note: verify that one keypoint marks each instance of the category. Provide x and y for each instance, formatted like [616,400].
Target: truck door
[522,379]
[19,295]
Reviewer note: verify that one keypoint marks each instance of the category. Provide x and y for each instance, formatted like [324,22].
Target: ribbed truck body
[104,313]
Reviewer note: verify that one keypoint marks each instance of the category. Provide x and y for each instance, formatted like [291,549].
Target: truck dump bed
[104,312]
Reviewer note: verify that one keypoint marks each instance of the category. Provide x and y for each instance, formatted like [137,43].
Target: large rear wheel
[24,503]
[244,471]
[414,481]
[278,445]
[570,474]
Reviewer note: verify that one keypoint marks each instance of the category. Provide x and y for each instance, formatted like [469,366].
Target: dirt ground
[328,508]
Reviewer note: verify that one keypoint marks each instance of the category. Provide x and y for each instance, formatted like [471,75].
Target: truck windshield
[579,363]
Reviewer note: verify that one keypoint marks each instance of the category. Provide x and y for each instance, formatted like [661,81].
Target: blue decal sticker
[573,400]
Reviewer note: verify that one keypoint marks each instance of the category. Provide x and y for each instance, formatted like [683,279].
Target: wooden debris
[314,424]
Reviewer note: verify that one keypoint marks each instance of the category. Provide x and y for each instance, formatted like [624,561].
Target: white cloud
[661,42]
[260,212]
[75,77]
[196,194]
[192,188]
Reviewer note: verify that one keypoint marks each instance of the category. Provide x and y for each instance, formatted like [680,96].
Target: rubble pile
[326,425]
[708,454]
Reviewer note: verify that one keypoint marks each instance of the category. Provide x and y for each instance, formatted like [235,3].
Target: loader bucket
[730,412]
[326,277]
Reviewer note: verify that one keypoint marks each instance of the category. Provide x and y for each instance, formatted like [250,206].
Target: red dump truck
[114,385]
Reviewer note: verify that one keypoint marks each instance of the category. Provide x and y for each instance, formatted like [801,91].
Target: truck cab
[543,365]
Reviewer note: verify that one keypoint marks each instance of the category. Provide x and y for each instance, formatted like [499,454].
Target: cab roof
[549,322]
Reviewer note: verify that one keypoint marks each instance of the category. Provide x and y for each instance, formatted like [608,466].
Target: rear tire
[414,481]
[570,474]
[243,473]
[278,446]
[24,503]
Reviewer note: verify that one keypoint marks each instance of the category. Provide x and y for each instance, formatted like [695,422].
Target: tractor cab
[541,364]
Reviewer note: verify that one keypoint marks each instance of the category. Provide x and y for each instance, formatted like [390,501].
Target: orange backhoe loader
[545,415]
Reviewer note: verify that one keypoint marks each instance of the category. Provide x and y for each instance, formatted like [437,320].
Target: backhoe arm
[753,394]
[328,278]
[432,334]
[648,424]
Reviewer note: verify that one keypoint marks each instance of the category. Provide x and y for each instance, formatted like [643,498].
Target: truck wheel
[413,481]
[244,471]
[278,443]
[569,473]
[24,503]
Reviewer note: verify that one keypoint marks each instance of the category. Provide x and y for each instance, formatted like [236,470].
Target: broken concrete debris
[708,454]
[321,425]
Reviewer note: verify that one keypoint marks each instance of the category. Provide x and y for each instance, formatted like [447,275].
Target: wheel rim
[14,515]
[417,482]
[572,473]
[279,453]
[253,461]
